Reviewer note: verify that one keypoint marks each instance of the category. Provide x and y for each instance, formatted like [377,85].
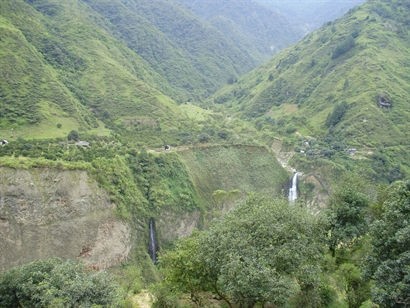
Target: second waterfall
[293,189]
[152,241]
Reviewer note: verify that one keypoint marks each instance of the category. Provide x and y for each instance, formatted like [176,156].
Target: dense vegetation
[103,85]
[54,283]
[86,66]
[261,31]
[389,259]
[266,251]
[263,251]
[190,54]
[345,82]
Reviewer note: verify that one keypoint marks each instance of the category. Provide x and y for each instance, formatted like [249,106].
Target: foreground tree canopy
[263,251]
[346,212]
[54,283]
[389,261]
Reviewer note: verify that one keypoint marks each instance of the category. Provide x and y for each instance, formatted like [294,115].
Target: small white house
[83,144]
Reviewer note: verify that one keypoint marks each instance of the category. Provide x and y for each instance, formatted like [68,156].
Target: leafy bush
[164,298]
[389,259]
[223,134]
[337,114]
[343,47]
[73,135]
[54,283]
[262,251]
[346,212]
[290,129]
[204,138]
[357,289]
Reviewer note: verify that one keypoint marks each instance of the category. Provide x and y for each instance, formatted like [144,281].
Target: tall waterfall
[293,189]
[152,242]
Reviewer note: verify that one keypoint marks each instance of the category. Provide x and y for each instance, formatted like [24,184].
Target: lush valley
[145,152]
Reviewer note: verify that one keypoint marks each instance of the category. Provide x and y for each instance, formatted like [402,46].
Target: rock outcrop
[47,213]
[384,101]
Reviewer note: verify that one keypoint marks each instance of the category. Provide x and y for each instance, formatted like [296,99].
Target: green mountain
[190,54]
[61,66]
[97,66]
[261,31]
[346,85]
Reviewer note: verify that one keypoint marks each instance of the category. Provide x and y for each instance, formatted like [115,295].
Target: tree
[204,137]
[337,114]
[54,283]
[389,261]
[223,134]
[356,288]
[262,251]
[343,47]
[73,135]
[346,212]
[184,270]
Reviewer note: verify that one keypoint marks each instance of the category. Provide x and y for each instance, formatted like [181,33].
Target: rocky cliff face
[47,212]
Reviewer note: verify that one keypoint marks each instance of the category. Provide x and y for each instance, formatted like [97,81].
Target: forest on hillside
[204,153]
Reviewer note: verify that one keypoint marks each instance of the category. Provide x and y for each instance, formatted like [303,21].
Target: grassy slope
[244,168]
[85,65]
[301,86]
[214,56]
[68,59]
[193,57]
[29,86]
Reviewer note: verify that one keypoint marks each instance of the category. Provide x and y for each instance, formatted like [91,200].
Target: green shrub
[164,298]
[337,114]
[54,283]
[223,134]
[262,251]
[343,47]
[204,138]
[73,135]
[290,129]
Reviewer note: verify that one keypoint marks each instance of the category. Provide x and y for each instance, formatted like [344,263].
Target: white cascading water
[293,189]
[152,244]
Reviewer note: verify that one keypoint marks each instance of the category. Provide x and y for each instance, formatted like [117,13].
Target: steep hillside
[243,168]
[261,31]
[97,209]
[192,55]
[61,66]
[48,212]
[103,66]
[346,85]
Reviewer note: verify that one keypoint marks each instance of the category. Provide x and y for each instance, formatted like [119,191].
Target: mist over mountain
[263,31]
[311,14]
